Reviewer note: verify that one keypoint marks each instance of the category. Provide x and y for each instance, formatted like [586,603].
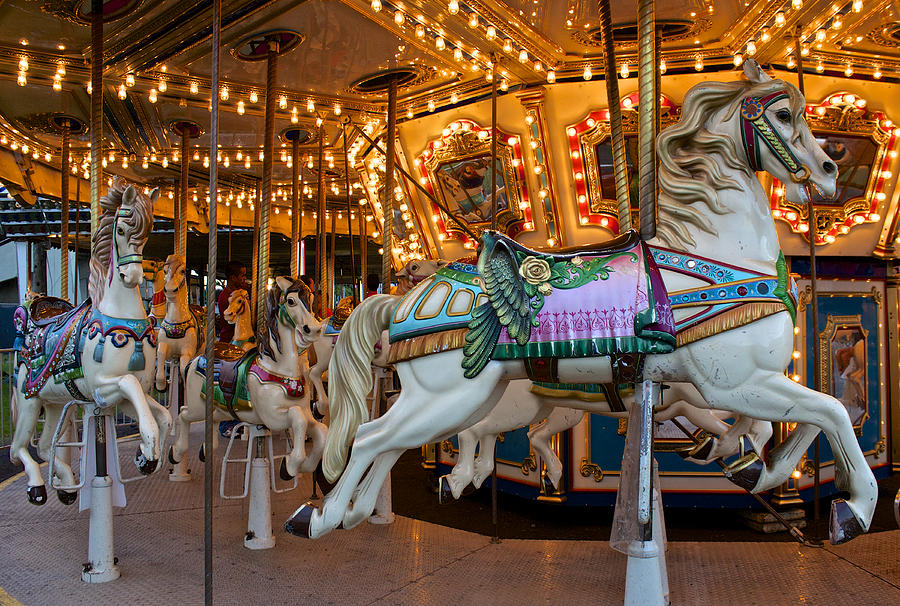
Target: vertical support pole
[332,287]
[321,268]
[64,216]
[363,249]
[77,230]
[617,137]
[648,64]
[181,207]
[254,260]
[295,207]
[353,275]
[387,232]
[494,210]
[265,202]
[814,294]
[96,109]
[101,566]
[213,252]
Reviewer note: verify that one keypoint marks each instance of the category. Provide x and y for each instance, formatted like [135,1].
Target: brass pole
[353,275]
[321,268]
[363,249]
[77,231]
[254,259]
[64,215]
[332,287]
[96,109]
[181,215]
[814,293]
[494,211]
[648,64]
[265,203]
[212,256]
[617,137]
[295,207]
[387,232]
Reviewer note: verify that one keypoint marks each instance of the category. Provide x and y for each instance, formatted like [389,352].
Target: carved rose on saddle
[535,270]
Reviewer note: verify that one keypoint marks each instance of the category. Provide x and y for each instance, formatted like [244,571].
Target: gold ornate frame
[842,114]
[583,137]
[826,360]
[466,140]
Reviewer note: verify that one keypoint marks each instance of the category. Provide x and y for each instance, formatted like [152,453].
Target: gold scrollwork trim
[588,469]
[529,464]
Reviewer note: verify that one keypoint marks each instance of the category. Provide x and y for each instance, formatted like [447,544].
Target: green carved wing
[509,305]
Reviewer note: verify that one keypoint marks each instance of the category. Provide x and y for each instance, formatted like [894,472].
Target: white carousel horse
[263,386]
[238,313]
[407,278]
[711,204]
[101,351]
[523,405]
[182,331]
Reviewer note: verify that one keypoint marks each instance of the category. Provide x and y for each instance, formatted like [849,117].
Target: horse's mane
[138,225]
[691,157]
[273,300]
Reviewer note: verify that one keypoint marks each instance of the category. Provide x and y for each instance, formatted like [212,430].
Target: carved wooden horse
[183,330]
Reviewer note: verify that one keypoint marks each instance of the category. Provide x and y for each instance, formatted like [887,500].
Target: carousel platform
[159,543]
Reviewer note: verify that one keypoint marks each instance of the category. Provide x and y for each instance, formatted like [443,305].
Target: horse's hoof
[445,494]
[283,472]
[145,466]
[547,486]
[897,508]
[37,495]
[321,481]
[745,472]
[314,409]
[298,523]
[65,497]
[171,456]
[699,451]
[202,454]
[843,525]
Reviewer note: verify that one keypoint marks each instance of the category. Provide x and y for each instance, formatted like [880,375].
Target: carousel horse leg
[776,396]
[179,471]
[559,420]
[366,496]
[28,412]
[152,431]
[162,354]
[317,432]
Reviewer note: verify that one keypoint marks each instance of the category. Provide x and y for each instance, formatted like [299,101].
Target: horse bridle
[756,127]
[127,259]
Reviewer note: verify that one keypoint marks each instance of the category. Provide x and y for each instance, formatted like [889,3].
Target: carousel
[565,255]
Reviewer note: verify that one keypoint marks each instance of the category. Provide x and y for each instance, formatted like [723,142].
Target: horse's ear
[154,195]
[283,283]
[442,263]
[128,196]
[755,73]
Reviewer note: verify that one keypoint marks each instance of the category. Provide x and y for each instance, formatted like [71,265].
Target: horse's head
[776,138]
[175,276]
[288,305]
[238,305]
[131,228]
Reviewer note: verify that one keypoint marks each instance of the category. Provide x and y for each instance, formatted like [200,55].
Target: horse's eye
[292,302]
[120,231]
[783,115]
[415,267]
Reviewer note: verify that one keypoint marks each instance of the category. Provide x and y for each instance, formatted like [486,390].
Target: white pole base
[101,566]
[259,518]
[383,506]
[643,581]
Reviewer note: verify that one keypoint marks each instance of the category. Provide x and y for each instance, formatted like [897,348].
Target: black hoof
[65,497]
[298,523]
[745,472]
[897,508]
[145,466]
[843,525]
[171,456]
[37,495]
[283,472]
[314,409]
[202,454]
[445,494]
[547,486]
[321,481]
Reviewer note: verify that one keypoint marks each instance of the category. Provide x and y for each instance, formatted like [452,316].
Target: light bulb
[129,80]
[698,64]
[453,7]
[751,47]
[122,92]
[779,18]
[856,6]
[194,88]
[624,71]
[738,59]
[848,71]
[420,31]
[551,76]
[376,5]
[163,86]
[491,32]
[523,56]
[662,66]
[254,97]
[439,43]
[399,18]
[473,20]
[820,35]
[240,107]
[877,73]
[223,93]
[587,75]
[151,97]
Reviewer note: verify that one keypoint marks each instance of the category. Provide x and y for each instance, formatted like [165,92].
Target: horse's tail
[350,377]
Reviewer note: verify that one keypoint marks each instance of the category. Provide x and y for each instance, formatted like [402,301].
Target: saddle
[342,311]
[620,243]
[229,363]
[45,310]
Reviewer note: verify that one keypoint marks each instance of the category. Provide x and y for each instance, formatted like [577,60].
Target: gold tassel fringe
[417,347]
[740,316]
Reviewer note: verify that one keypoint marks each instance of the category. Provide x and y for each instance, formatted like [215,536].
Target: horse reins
[114,248]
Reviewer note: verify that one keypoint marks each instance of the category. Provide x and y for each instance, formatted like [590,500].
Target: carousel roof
[334,64]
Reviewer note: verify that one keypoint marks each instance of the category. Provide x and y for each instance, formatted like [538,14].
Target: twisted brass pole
[647,66]
[494,205]
[387,232]
[96,109]
[181,207]
[617,137]
[265,203]
[64,215]
[353,275]
[295,206]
